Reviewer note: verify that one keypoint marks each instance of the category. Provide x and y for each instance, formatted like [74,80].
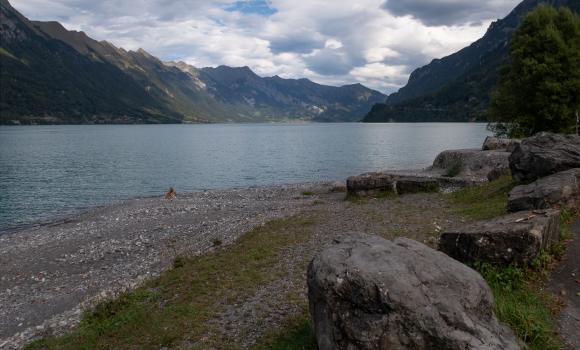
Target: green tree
[539,88]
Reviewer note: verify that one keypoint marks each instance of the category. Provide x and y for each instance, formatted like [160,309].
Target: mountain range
[458,87]
[50,75]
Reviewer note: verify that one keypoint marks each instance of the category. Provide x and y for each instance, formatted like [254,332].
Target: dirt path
[565,281]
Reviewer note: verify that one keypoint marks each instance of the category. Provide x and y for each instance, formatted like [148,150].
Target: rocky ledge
[515,238]
[554,191]
[451,170]
[544,154]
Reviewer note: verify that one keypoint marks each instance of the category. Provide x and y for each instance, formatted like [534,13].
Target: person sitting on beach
[171,193]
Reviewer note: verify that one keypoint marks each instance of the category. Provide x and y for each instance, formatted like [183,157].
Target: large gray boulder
[473,163]
[495,143]
[514,238]
[544,154]
[370,293]
[554,191]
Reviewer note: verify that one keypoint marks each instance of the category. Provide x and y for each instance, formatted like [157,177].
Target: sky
[377,43]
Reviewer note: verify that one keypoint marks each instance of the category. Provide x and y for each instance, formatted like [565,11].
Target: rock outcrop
[544,154]
[370,293]
[560,189]
[374,183]
[495,143]
[472,163]
[514,238]
[370,183]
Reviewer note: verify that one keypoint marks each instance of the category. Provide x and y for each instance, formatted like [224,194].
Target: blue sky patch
[259,7]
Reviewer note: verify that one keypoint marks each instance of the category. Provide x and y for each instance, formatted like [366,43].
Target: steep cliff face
[458,87]
[52,75]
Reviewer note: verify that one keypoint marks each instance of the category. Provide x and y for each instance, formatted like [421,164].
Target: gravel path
[51,274]
[565,281]
[418,216]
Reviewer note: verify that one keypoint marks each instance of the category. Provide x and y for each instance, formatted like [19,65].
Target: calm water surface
[51,171]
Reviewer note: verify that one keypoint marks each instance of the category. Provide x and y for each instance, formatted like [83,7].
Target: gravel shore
[51,274]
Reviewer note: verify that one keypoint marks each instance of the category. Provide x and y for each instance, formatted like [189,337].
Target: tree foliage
[540,87]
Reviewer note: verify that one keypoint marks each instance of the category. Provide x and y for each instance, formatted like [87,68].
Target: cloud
[450,12]
[331,42]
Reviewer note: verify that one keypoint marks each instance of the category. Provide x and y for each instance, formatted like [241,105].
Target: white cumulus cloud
[373,42]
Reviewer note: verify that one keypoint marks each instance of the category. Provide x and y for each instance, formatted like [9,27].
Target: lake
[52,171]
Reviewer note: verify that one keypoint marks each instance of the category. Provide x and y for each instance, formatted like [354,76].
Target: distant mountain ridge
[458,87]
[49,74]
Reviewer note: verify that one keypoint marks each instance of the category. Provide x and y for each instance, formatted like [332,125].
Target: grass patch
[483,202]
[567,217]
[521,299]
[296,334]
[308,193]
[521,303]
[174,308]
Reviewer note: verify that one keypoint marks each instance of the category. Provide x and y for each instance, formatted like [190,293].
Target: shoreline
[74,213]
[52,273]
[51,276]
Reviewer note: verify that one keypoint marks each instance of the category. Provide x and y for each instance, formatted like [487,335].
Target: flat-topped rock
[370,293]
[402,182]
[554,191]
[370,183]
[514,238]
[473,163]
[495,143]
[544,154]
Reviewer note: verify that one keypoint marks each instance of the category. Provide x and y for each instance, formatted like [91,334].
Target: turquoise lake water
[52,171]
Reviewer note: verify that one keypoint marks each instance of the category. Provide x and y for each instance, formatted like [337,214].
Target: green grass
[521,303]
[174,308]
[521,299]
[308,193]
[483,202]
[296,334]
